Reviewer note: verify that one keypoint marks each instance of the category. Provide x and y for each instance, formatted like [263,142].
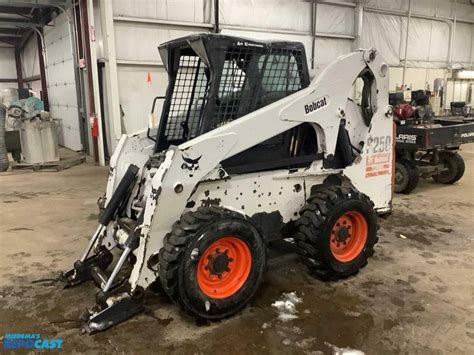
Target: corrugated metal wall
[7,67]
[140,26]
[137,28]
[61,82]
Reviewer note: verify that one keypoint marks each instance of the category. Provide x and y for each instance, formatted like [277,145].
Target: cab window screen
[280,73]
[188,99]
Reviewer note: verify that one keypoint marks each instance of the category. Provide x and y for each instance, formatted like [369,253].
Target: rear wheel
[337,231]
[212,262]
[454,165]
[349,236]
[407,176]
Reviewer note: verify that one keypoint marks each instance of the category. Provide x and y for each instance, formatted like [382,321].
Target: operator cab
[215,79]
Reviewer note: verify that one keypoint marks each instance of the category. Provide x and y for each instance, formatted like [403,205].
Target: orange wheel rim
[348,236]
[224,267]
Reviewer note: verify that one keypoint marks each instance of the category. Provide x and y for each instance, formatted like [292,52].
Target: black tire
[407,176]
[455,167]
[315,231]
[182,252]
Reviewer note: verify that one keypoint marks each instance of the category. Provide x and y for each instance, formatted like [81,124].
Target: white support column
[471,56]
[111,76]
[314,7]
[452,38]
[406,43]
[95,79]
[358,21]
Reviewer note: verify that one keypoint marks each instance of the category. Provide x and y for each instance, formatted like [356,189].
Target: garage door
[61,82]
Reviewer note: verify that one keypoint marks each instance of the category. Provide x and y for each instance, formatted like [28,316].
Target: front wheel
[212,262]
[454,165]
[337,231]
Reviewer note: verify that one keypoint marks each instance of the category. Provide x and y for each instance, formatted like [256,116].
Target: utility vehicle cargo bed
[442,133]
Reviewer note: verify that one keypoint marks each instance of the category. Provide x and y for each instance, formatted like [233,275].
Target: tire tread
[315,214]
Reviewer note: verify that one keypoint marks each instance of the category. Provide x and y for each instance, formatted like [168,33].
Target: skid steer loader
[247,150]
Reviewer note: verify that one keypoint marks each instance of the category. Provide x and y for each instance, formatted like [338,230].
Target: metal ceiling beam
[336,3]
[18,17]
[4,35]
[333,3]
[20,20]
[8,41]
[414,15]
[15,10]
[36,3]
[17,23]
[12,31]
[150,21]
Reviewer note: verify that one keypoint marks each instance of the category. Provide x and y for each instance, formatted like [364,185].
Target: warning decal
[379,156]
[378,164]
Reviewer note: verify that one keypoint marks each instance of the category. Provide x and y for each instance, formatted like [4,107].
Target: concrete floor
[415,296]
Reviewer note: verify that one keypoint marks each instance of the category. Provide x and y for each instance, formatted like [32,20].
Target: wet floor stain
[329,314]
[93,217]
[19,229]
[402,302]
[20,255]
[23,195]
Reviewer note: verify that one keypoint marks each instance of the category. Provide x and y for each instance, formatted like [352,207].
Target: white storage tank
[39,142]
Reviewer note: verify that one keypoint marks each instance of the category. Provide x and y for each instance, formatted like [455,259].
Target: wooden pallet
[63,163]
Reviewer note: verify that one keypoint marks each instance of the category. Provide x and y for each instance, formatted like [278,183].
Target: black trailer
[430,149]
